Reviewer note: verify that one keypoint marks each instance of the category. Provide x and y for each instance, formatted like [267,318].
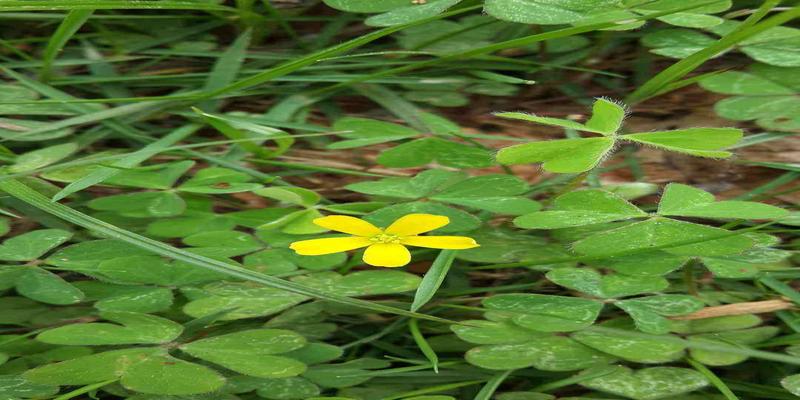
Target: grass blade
[35,199]
[747,29]
[433,279]
[50,5]
[424,347]
[226,68]
[294,65]
[489,388]
[714,379]
[68,27]
[131,160]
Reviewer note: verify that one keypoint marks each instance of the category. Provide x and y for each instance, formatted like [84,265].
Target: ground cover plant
[399,199]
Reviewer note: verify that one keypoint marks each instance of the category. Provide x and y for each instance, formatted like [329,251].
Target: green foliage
[582,154]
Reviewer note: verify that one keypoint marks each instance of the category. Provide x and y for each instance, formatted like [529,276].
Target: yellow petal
[387,255]
[351,225]
[440,242]
[413,224]
[316,247]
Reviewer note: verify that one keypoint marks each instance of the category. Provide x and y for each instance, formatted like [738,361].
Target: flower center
[385,238]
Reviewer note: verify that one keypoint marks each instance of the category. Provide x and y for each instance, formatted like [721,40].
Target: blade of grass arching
[121,128]
[713,378]
[746,29]
[296,64]
[287,28]
[226,68]
[99,175]
[24,193]
[763,137]
[781,288]
[518,42]
[116,112]
[763,190]
[491,386]
[433,279]
[68,27]
[50,5]
[100,67]
[393,103]
[424,347]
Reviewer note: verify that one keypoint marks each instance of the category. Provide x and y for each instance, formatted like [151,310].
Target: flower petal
[440,242]
[351,225]
[387,255]
[316,247]
[413,224]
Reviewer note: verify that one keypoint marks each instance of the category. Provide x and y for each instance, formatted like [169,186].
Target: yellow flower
[385,247]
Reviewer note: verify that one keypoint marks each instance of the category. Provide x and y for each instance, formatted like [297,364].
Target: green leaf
[546,313]
[553,353]
[460,221]
[581,207]
[364,132]
[162,374]
[47,287]
[132,298]
[648,383]
[492,332]
[560,156]
[742,337]
[218,181]
[89,369]
[701,142]
[287,389]
[366,6]
[291,195]
[14,387]
[607,117]
[672,236]
[412,13]
[251,352]
[653,263]
[158,271]
[421,185]
[686,201]
[242,300]
[792,384]
[545,12]
[503,198]
[428,150]
[362,283]
[605,286]
[133,328]
[640,350]
[32,245]
[649,313]
[36,159]
[141,204]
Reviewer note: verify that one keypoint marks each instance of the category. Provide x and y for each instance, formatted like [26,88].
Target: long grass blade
[433,279]
[68,27]
[747,29]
